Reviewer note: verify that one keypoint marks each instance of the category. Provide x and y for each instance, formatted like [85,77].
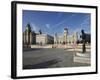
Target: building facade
[29,36]
[44,39]
[65,35]
[72,38]
[65,38]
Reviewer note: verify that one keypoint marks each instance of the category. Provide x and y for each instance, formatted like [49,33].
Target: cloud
[34,27]
[85,21]
[65,20]
[47,26]
[86,24]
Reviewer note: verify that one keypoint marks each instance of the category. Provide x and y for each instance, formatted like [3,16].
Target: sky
[55,22]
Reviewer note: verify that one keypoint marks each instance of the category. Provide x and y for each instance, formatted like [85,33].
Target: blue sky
[55,22]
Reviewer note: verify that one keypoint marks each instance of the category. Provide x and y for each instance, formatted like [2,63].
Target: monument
[83,36]
[82,57]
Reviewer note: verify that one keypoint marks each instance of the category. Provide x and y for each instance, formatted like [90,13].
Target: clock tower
[65,35]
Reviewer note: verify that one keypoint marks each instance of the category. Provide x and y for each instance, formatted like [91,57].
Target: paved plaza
[49,58]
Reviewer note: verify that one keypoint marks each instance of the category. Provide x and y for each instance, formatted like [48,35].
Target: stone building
[65,38]
[56,41]
[72,38]
[44,39]
[61,39]
[29,36]
[87,39]
[65,35]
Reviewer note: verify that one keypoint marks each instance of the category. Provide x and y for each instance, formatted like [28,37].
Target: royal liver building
[29,36]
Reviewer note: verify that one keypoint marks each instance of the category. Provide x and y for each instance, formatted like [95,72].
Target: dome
[28,27]
[65,29]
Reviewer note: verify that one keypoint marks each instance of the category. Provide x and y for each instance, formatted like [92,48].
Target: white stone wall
[41,39]
[44,39]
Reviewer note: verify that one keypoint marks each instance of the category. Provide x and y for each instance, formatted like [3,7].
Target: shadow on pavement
[30,49]
[41,65]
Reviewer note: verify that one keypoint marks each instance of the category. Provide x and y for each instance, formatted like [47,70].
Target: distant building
[56,39]
[88,38]
[65,38]
[72,38]
[61,39]
[29,37]
[44,39]
[65,35]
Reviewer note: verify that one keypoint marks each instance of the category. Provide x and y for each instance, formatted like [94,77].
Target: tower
[27,35]
[65,35]
[56,38]
[75,37]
